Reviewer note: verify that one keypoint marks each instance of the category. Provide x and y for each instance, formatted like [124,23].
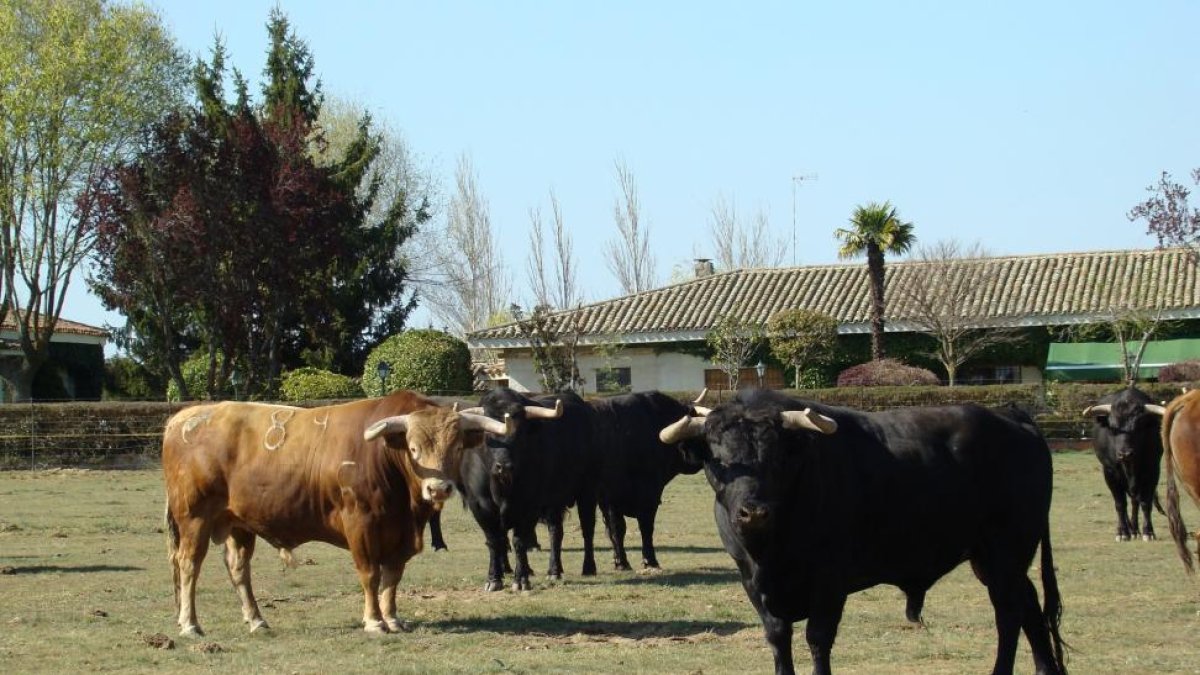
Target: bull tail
[172,530]
[1174,519]
[1052,607]
[1158,505]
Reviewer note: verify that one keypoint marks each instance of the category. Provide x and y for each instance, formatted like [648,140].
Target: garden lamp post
[383,369]
[760,368]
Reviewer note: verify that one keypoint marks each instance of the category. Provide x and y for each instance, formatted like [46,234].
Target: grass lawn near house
[85,583]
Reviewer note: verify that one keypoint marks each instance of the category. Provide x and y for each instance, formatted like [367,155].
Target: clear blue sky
[1029,126]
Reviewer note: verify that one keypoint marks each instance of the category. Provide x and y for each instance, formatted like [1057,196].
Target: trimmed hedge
[310,384]
[885,372]
[422,360]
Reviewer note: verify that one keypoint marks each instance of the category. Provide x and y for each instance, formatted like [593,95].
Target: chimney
[703,267]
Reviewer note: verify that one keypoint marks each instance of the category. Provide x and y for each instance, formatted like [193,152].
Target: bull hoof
[622,566]
[258,624]
[554,576]
[589,570]
[493,585]
[647,565]
[192,631]
[1122,537]
[652,571]
[375,627]
[443,547]
[1149,536]
[522,585]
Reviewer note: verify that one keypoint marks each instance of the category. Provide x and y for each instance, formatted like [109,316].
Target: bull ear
[687,427]
[388,425]
[1155,409]
[1098,410]
[537,412]
[808,420]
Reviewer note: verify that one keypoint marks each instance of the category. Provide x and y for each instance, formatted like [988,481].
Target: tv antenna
[797,180]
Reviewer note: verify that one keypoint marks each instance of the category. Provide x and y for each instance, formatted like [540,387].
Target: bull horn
[1155,409]
[472,422]
[701,410]
[537,412]
[687,427]
[454,407]
[477,410]
[809,420]
[387,425]
[1097,410]
[703,393]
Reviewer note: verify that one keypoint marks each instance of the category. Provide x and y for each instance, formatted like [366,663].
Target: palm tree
[875,229]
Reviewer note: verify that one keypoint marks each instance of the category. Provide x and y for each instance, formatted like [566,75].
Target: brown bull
[363,476]
[1181,455]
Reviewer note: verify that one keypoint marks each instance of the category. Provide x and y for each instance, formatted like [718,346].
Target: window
[614,381]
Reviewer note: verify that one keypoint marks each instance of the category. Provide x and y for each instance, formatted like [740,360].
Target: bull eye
[414,451]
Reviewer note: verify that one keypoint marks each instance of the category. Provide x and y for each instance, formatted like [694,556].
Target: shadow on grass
[704,576]
[635,548]
[46,569]
[561,626]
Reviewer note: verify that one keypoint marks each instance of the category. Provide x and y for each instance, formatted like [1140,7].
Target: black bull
[815,502]
[1127,440]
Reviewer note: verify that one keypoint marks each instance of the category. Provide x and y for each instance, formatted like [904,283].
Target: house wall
[666,371]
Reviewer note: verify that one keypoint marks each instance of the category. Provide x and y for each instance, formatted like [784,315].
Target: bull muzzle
[436,490]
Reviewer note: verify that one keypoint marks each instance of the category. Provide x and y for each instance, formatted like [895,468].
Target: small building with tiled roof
[1015,291]
[75,369]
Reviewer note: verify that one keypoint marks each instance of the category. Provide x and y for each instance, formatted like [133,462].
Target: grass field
[85,585]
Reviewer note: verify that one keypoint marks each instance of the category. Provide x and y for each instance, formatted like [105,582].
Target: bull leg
[1008,607]
[554,525]
[586,508]
[1116,485]
[1147,527]
[1034,624]
[646,525]
[435,532]
[188,557]
[391,575]
[521,557]
[914,603]
[358,535]
[821,630]
[239,549]
[777,631]
[614,525]
[497,544]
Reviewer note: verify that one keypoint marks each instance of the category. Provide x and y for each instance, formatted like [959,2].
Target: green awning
[1101,361]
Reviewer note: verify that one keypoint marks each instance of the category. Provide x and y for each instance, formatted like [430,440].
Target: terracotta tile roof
[1035,290]
[63,326]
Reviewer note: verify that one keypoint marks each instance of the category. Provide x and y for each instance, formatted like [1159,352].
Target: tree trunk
[875,273]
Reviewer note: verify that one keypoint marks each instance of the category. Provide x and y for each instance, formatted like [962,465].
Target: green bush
[311,384]
[126,378]
[886,372]
[195,375]
[424,360]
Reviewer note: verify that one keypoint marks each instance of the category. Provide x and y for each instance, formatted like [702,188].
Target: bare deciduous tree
[564,291]
[1168,215]
[553,340]
[628,256]
[740,246]
[945,302]
[468,283]
[733,341]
